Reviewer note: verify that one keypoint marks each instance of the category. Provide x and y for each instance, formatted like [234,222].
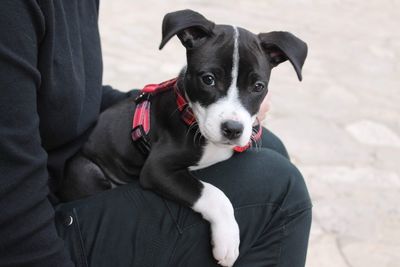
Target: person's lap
[129,226]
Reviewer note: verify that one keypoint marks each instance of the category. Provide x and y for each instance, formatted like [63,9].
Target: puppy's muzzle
[232,129]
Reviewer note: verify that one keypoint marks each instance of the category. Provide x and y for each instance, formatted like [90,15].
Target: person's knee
[271,141]
[288,187]
[258,177]
[297,198]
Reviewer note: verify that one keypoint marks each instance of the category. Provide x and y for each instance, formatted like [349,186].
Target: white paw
[217,209]
[225,241]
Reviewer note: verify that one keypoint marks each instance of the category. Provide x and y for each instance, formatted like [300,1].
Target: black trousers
[129,226]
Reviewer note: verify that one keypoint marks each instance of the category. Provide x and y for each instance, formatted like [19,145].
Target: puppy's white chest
[212,154]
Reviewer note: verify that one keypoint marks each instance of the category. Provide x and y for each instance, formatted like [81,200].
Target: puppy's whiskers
[256,143]
[178,109]
[191,127]
[197,133]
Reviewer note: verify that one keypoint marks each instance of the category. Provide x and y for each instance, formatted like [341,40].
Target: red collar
[187,114]
[141,118]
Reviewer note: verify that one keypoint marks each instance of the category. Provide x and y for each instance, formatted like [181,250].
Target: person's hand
[264,108]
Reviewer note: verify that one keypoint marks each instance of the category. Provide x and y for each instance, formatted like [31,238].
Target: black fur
[110,148]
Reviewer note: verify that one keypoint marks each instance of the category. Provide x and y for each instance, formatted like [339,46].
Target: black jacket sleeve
[27,231]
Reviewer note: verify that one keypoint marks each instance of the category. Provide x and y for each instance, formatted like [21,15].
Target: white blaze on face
[226,108]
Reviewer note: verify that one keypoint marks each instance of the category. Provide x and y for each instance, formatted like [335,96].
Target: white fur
[212,154]
[226,108]
[216,208]
[235,64]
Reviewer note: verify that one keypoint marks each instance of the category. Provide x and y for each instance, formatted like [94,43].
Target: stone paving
[341,124]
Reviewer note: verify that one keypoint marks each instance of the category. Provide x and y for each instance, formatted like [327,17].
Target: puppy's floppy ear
[281,46]
[190,26]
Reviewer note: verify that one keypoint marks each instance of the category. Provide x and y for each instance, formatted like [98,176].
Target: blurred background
[341,125]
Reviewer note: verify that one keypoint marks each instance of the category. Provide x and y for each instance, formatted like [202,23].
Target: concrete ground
[341,124]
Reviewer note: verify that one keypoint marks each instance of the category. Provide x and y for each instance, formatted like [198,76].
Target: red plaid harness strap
[141,118]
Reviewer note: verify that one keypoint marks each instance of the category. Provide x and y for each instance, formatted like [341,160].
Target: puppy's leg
[217,209]
[82,178]
[160,174]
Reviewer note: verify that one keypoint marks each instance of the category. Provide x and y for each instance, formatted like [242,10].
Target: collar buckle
[142,97]
[140,138]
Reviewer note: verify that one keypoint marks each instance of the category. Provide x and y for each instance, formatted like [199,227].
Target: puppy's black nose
[232,129]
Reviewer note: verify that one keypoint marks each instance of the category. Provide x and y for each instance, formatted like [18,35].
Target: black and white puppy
[225,81]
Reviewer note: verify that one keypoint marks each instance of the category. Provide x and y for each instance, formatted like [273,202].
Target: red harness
[141,118]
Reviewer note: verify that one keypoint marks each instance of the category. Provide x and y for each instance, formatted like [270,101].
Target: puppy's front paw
[225,241]
[217,209]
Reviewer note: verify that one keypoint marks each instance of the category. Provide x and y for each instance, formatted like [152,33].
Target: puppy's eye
[208,79]
[258,87]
